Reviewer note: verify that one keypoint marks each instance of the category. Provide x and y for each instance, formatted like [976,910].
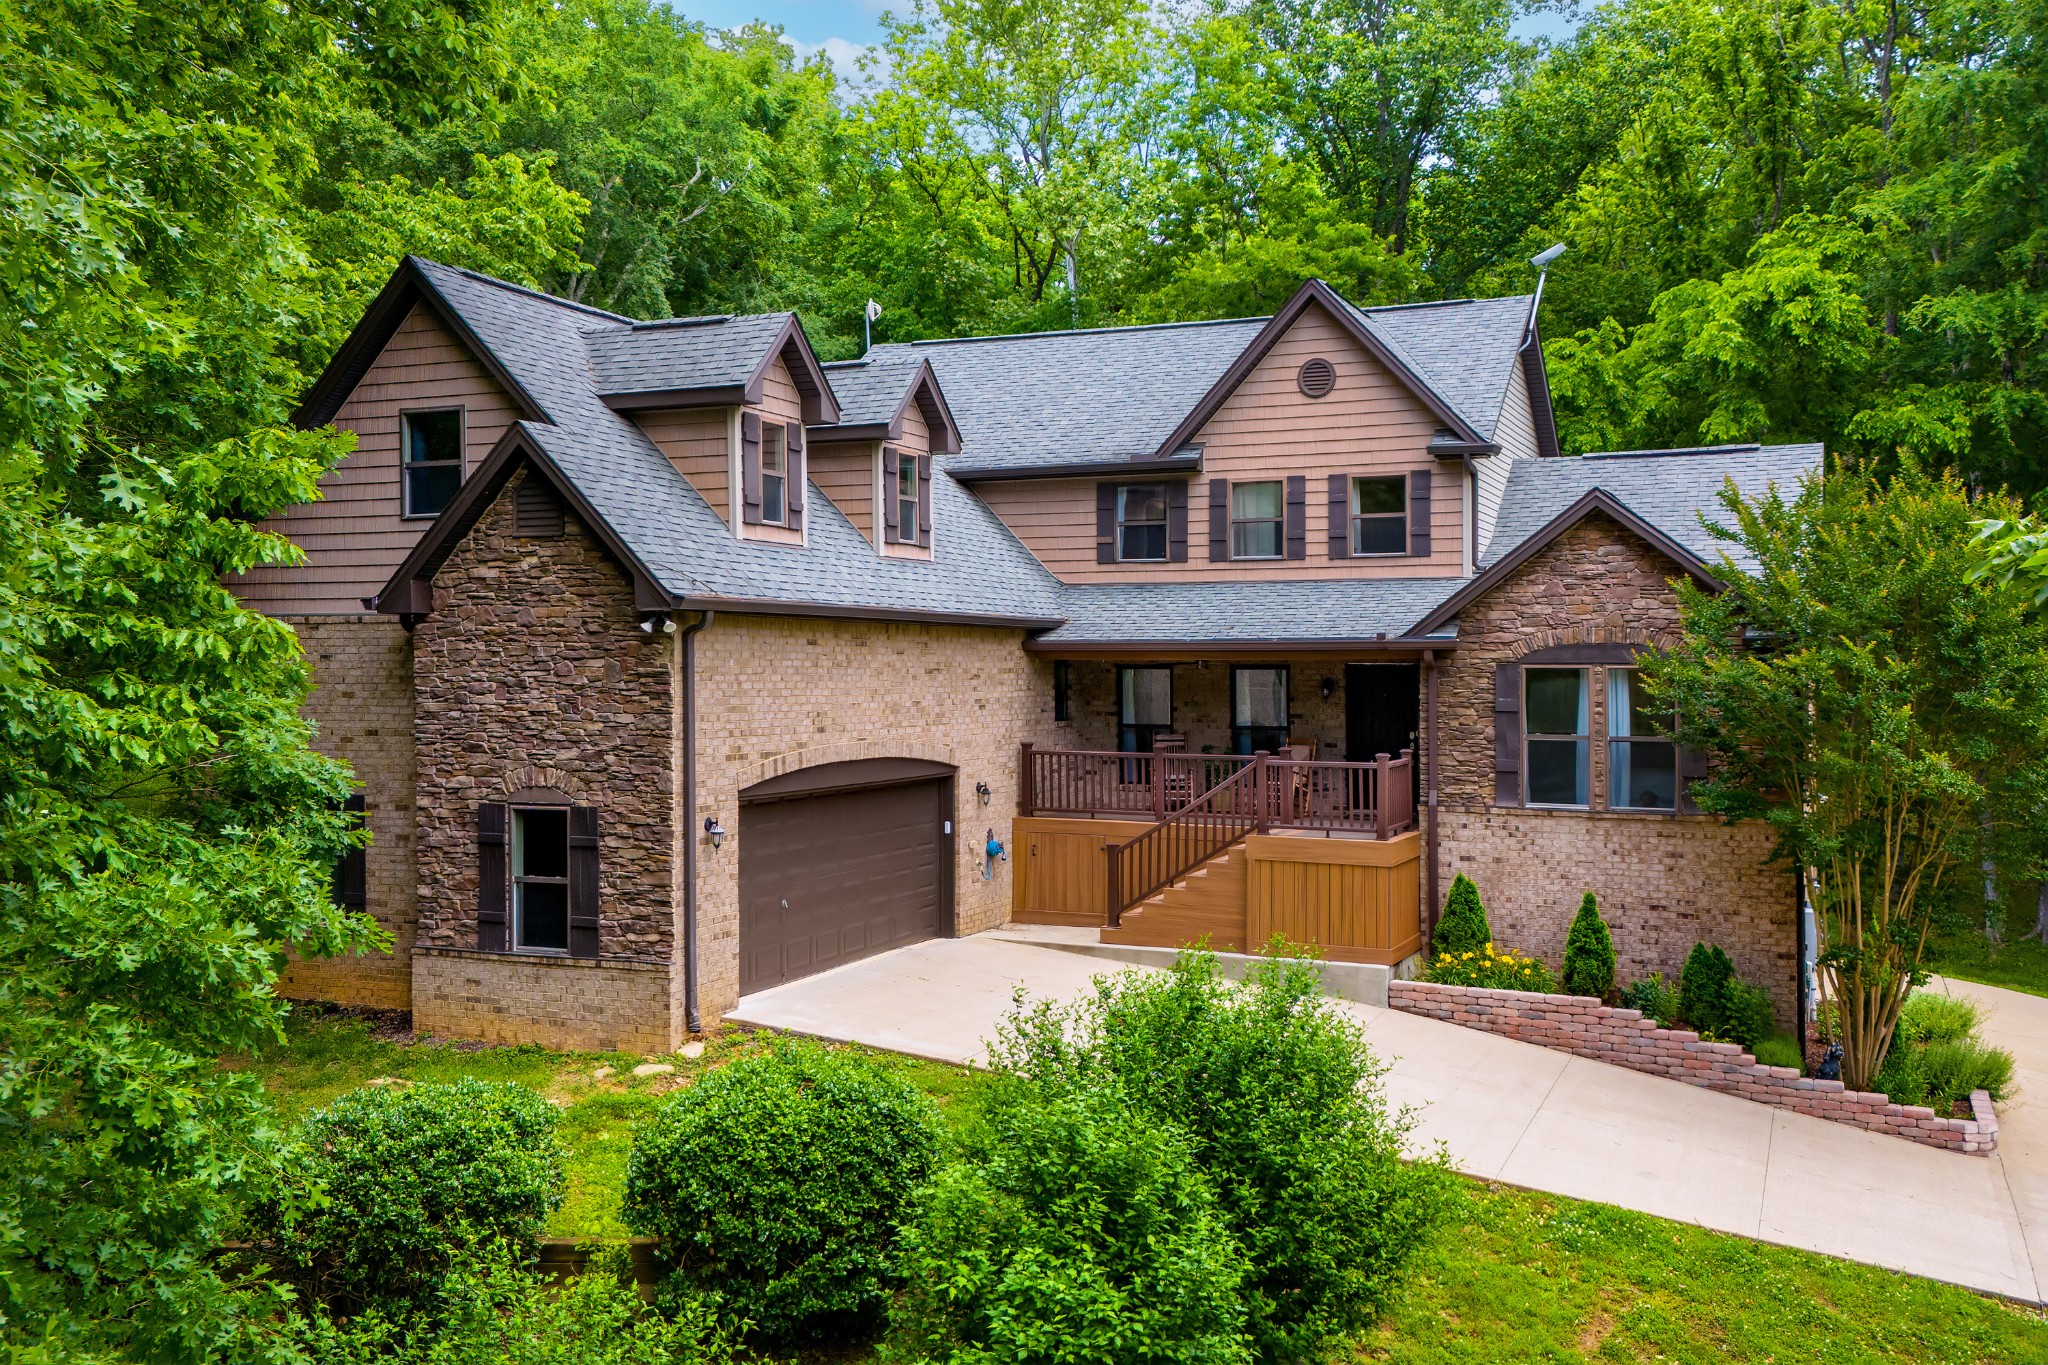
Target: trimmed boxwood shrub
[1069,1228]
[1463,927]
[1280,1101]
[1589,953]
[776,1184]
[387,1188]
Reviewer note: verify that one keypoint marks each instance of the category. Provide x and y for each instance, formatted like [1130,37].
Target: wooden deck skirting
[1357,900]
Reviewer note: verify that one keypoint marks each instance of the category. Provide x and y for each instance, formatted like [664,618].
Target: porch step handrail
[1099,782]
[1207,826]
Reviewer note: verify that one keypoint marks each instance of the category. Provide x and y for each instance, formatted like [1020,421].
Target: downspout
[687,662]
[1429,757]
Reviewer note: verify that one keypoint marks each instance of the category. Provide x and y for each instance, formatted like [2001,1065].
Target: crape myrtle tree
[1883,707]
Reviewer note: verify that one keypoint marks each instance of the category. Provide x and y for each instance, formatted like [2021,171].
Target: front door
[1382,710]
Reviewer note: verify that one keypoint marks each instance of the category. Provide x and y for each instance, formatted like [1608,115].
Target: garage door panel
[831,878]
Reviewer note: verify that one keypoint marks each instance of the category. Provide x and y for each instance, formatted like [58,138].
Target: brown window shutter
[351,873]
[1105,523]
[1177,521]
[1340,516]
[924,499]
[1507,734]
[799,472]
[583,894]
[750,468]
[891,461]
[492,875]
[1297,516]
[1219,520]
[1692,767]
[1418,512]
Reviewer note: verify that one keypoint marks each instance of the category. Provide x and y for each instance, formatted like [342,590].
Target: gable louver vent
[1318,376]
[536,511]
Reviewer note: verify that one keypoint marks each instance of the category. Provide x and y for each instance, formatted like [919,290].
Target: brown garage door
[828,877]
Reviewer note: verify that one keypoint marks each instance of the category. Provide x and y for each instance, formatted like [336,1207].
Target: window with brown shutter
[1418,513]
[351,872]
[1219,520]
[540,879]
[491,865]
[750,468]
[924,500]
[1297,516]
[1507,734]
[1340,516]
[583,885]
[1107,498]
[1177,521]
[891,459]
[1379,516]
[799,472]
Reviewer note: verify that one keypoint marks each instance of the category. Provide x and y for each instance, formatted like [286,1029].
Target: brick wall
[571,1003]
[1201,702]
[1665,882]
[1584,1027]
[362,702]
[533,671]
[775,694]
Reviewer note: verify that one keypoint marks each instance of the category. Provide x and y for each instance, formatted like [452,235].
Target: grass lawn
[1967,956]
[1516,1277]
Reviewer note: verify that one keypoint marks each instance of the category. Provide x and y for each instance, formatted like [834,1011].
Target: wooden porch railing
[1097,782]
[1374,799]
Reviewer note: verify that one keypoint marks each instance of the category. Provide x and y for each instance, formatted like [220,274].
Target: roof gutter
[1197,649]
[758,606]
[1081,469]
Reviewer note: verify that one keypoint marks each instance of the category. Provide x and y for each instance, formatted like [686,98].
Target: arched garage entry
[842,861]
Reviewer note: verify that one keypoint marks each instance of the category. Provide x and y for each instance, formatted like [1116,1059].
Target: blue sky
[842,27]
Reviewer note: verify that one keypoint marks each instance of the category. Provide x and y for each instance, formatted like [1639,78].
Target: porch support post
[1382,771]
[1430,748]
[1026,779]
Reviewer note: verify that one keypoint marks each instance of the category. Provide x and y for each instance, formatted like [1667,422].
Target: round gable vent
[1317,377]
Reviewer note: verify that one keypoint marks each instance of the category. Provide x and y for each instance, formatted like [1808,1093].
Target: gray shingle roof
[1246,611]
[1464,349]
[1667,489]
[871,389]
[1061,397]
[685,353]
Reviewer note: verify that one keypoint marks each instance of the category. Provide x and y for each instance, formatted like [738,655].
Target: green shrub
[1747,1020]
[1954,1067]
[387,1187]
[1494,968]
[1589,953]
[1780,1049]
[776,1184]
[1273,1087]
[1070,1228]
[1654,997]
[1901,1077]
[494,1309]
[1703,989]
[1463,927]
[1929,1017]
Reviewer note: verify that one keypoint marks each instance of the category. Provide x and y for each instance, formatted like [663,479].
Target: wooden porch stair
[1208,903]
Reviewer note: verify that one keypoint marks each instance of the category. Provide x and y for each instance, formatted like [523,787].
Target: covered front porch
[1229,800]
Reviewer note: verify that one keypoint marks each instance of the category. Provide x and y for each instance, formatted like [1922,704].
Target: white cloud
[845,57]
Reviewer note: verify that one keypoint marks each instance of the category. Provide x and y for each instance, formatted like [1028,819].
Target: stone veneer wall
[775,694]
[1581,1025]
[533,670]
[1665,882]
[362,703]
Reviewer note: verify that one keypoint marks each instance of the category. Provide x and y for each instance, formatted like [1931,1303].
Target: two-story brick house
[676,664]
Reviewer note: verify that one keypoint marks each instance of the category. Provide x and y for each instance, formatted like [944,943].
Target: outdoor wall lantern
[1329,688]
[715,832]
[982,792]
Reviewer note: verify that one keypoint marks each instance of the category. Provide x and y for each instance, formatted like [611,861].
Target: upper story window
[1557,748]
[906,499]
[1257,525]
[1141,522]
[430,446]
[1642,765]
[1379,516]
[540,880]
[774,475]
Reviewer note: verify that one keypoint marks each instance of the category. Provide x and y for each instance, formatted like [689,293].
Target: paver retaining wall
[1581,1025]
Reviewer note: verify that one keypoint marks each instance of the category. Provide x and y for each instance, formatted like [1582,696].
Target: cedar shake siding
[355,536]
[846,474]
[1268,430]
[698,442]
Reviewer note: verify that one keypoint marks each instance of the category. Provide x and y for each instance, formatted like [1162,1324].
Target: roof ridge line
[510,287]
[1077,331]
[1733,448]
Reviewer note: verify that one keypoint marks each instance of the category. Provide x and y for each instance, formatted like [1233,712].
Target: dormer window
[906,497]
[774,476]
[905,493]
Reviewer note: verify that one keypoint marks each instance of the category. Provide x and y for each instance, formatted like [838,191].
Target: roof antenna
[867,325]
[1541,260]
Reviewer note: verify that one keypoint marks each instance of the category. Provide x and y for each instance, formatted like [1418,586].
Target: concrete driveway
[1543,1120]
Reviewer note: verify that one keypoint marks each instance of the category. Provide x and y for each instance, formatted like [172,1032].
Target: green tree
[1462,928]
[1882,708]
[1589,953]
